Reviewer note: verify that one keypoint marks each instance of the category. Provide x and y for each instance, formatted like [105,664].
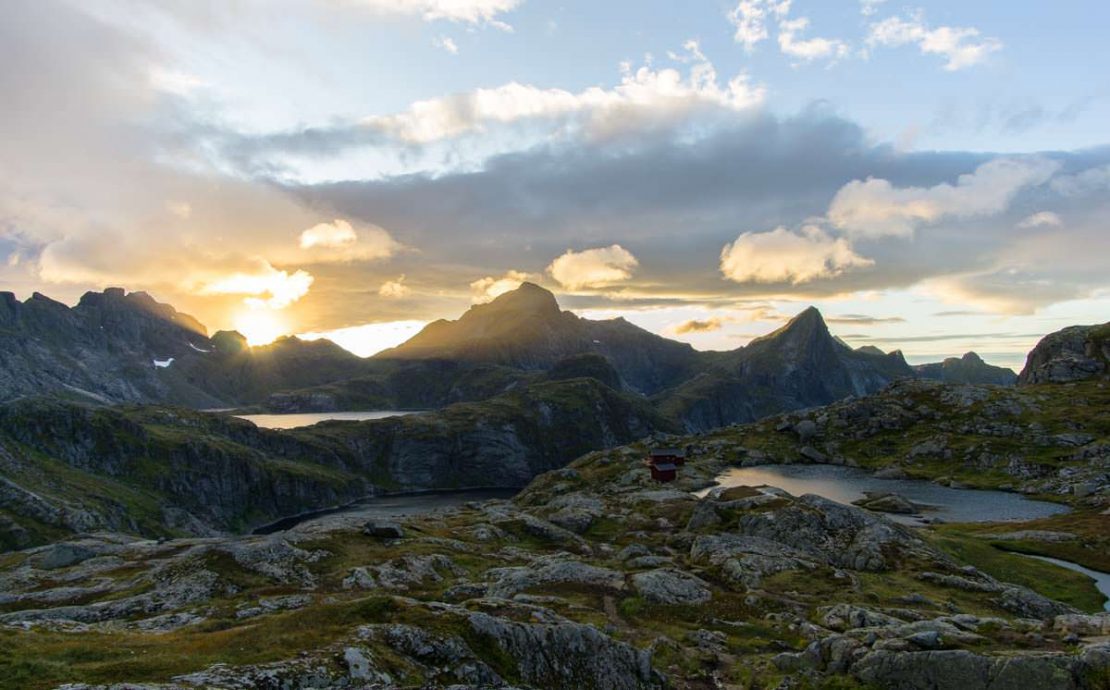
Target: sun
[261,326]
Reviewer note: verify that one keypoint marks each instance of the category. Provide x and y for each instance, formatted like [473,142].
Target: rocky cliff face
[1072,354]
[151,470]
[967,369]
[126,347]
[525,329]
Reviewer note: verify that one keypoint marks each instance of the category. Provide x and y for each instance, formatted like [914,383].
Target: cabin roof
[671,452]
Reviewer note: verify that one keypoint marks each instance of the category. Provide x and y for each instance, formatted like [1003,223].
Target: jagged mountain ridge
[526,329]
[115,346]
[799,365]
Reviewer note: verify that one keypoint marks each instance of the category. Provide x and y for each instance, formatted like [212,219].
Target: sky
[934,176]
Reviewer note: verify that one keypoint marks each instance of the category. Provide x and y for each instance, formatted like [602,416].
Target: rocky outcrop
[835,534]
[217,473]
[966,670]
[567,655]
[1072,354]
[967,369]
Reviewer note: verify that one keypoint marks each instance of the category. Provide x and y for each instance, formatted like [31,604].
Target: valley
[581,574]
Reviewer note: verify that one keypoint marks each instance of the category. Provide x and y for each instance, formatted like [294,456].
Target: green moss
[1045,578]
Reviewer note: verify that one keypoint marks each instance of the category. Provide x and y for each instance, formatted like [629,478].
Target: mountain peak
[529,297]
[807,324]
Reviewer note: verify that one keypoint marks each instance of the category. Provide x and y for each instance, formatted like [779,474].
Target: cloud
[645,99]
[334,235]
[485,289]
[1043,218]
[394,288]
[876,208]
[644,95]
[266,286]
[474,12]
[781,256]
[960,46]
[791,43]
[749,17]
[958,312]
[593,268]
[863,319]
[1096,179]
[340,241]
[371,338]
[869,7]
[713,323]
[446,43]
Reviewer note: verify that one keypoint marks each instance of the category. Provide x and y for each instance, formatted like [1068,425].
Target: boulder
[383,529]
[671,586]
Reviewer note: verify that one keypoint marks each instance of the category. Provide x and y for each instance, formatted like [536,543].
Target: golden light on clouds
[370,338]
[485,289]
[260,326]
[266,286]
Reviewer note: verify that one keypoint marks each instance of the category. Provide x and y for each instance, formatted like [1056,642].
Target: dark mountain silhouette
[967,369]
[799,365]
[115,346]
[525,329]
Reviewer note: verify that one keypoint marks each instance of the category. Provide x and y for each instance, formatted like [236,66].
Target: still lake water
[847,484]
[1102,580]
[299,419]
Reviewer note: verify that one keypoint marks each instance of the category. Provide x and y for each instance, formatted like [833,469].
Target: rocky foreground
[595,577]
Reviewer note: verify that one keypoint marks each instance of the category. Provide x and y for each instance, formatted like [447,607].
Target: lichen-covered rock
[671,586]
[1072,354]
[747,560]
[403,573]
[554,570]
[965,670]
[840,535]
[567,656]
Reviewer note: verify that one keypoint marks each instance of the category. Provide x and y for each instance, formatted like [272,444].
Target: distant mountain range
[115,347]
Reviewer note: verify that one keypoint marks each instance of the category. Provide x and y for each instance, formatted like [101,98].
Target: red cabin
[664,463]
[663,471]
[675,456]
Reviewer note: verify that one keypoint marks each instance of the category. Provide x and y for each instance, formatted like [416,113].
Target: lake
[847,484]
[299,419]
[378,507]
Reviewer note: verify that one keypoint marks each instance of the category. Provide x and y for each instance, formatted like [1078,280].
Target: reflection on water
[847,484]
[1102,580]
[295,420]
